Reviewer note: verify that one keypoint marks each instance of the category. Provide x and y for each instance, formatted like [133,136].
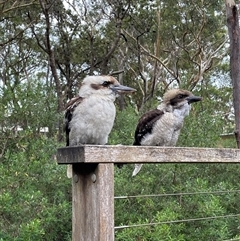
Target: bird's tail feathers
[136,169]
[69,171]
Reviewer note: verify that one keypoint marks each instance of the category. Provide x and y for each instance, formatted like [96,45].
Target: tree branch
[153,56]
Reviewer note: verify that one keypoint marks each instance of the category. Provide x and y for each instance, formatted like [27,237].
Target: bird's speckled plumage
[162,126]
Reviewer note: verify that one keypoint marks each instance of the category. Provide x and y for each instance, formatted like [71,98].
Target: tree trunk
[234,31]
[48,48]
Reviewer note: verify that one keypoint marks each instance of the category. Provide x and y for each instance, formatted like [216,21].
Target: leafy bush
[35,199]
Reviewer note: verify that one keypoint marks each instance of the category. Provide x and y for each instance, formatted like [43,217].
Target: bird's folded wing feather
[146,124]
[69,109]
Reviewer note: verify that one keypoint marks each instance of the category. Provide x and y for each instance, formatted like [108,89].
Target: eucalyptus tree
[173,43]
[149,44]
[19,62]
[8,10]
[233,31]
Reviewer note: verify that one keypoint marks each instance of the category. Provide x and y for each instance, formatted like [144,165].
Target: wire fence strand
[175,194]
[175,221]
[237,239]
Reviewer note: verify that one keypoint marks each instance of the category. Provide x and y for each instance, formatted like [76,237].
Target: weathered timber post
[93,202]
[234,37]
[93,179]
[92,196]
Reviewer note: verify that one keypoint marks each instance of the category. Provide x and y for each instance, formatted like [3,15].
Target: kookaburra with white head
[89,117]
[162,126]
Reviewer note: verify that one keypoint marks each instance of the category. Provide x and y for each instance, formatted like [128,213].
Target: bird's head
[104,86]
[180,100]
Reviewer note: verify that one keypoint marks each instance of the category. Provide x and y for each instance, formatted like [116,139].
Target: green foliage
[35,202]
[124,127]
[178,178]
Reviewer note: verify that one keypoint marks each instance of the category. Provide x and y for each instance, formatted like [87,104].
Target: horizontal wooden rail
[145,154]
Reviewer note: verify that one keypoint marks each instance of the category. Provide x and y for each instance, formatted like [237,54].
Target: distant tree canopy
[149,45]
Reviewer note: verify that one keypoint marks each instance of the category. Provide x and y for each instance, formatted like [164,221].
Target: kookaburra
[89,117]
[162,126]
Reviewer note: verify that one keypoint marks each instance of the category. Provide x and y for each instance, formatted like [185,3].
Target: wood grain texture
[145,154]
[234,37]
[93,202]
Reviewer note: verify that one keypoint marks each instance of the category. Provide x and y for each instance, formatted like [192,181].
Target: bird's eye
[180,96]
[106,83]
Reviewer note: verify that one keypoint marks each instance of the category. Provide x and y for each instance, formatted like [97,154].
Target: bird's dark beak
[121,89]
[192,99]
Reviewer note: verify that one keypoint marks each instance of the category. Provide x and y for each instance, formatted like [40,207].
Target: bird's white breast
[167,129]
[183,111]
[92,121]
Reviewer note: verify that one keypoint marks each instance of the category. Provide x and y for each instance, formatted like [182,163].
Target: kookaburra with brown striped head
[89,117]
[162,126]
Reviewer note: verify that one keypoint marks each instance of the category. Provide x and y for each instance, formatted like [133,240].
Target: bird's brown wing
[146,124]
[69,109]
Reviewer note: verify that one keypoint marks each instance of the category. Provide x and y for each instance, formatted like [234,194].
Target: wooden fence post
[93,202]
